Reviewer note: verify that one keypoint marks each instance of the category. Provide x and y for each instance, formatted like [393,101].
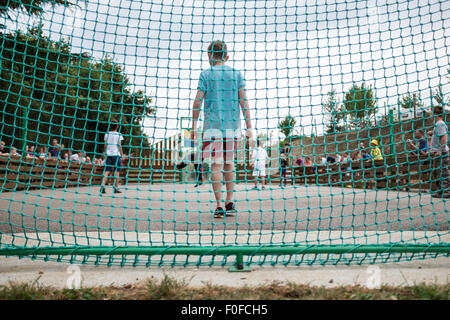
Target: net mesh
[338,152]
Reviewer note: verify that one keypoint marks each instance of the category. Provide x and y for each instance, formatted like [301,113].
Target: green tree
[411,101]
[48,92]
[287,125]
[439,97]
[360,105]
[31,7]
[333,108]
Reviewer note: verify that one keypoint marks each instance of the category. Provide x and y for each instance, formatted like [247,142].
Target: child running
[222,91]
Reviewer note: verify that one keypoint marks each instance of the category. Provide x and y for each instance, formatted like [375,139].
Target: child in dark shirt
[283,169]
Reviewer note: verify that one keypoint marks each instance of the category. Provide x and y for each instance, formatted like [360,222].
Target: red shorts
[219,150]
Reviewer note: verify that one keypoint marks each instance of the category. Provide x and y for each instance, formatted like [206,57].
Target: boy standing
[113,150]
[222,89]
[439,153]
[283,169]
[259,158]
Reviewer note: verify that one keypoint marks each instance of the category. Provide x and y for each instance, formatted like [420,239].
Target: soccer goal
[321,132]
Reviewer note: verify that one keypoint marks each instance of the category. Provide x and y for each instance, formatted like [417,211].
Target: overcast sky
[290,54]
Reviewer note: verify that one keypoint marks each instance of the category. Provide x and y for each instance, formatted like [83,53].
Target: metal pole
[227,250]
[391,133]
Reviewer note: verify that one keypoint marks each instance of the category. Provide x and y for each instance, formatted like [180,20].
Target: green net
[308,133]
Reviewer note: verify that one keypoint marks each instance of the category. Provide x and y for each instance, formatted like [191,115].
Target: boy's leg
[262,175]
[210,150]
[216,179]
[117,169]
[198,173]
[105,174]
[434,174]
[117,179]
[445,176]
[105,178]
[228,175]
[442,175]
[229,151]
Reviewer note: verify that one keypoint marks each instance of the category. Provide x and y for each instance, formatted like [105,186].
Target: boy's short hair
[438,111]
[218,50]
[114,125]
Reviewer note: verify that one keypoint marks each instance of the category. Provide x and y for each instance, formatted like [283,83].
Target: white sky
[290,54]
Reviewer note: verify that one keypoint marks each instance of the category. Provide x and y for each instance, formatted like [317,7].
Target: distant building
[408,114]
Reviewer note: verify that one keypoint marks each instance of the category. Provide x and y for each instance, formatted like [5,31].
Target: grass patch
[171,289]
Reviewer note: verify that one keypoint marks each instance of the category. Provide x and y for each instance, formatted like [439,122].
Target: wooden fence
[156,164]
[18,173]
[400,172]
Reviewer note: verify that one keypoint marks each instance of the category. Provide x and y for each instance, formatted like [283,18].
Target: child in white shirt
[259,158]
[114,152]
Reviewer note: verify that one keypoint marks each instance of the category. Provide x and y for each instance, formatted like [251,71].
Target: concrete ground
[63,275]
[181,207]
[180,214]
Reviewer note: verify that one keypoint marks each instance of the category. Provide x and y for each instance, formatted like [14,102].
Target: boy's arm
[120,145]
[196,111]
[442,132]
[105,145]
[245,111]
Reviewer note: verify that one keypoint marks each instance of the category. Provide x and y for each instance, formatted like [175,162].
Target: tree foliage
[411,101]
[48,92]
[287,125]
[31,7]
[334,110]
[439,98]
[360,104]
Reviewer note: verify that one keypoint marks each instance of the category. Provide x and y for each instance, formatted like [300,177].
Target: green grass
[170,289]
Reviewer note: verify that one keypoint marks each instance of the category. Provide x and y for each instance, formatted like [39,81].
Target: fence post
[239,264]
[391,133]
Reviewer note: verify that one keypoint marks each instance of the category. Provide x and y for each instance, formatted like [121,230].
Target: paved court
[181,207]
